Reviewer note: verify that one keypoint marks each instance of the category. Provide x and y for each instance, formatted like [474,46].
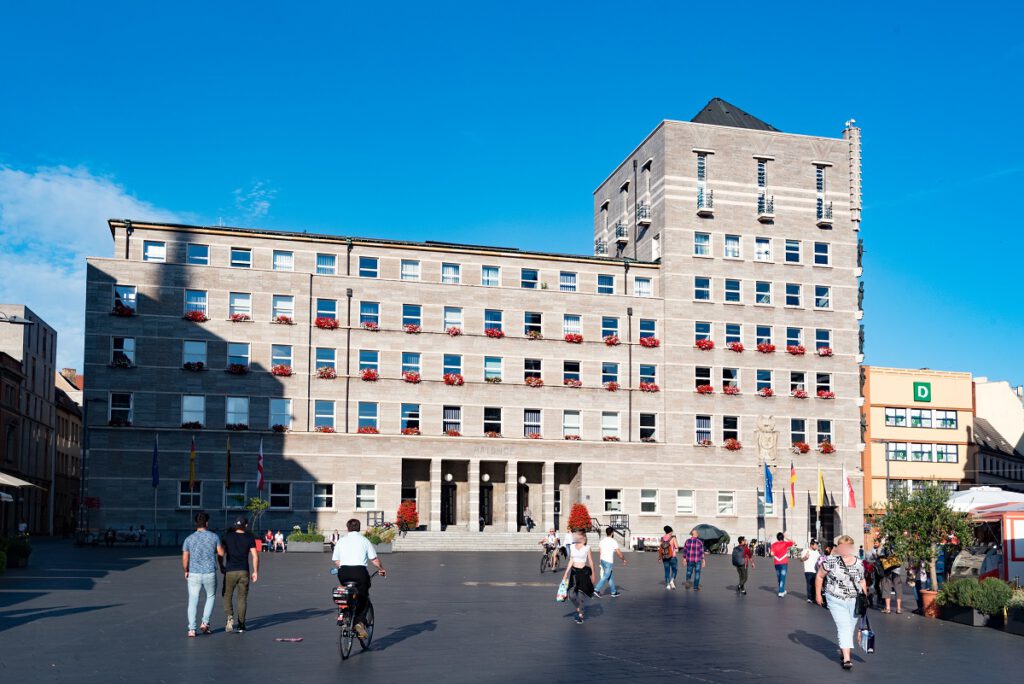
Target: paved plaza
[118,615]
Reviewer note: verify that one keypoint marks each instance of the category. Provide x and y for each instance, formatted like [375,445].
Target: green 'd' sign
[922,391]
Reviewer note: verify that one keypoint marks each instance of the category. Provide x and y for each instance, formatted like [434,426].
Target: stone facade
[654,472]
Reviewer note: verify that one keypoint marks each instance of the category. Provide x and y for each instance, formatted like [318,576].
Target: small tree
[256,508]
[915,525]
[407,517]
[579,518]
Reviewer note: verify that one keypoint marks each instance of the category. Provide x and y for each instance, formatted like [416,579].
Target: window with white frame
[797,381]
[451,274]
[797,430]
[764,509]
[567,281]
[531,368]
[122,351]
[492,319]
[609,326]
[823,382]
[605,284]
[193,409]
[763,334]
[570,370]
[702,429]
[701,331]
[895,417]
[609,424]
[369,267]
[410,362]
[762,292]
[190,494]
[532,321]
[529,279]
[896,451]
[764,379]
[531,421]
[281,495]
[452,317]
[726,503]
[451,363]
[326,264]
[921,418]
[490,276]
[642,287]
[732,290]
[366,497]
[730,377]
[193,351]
[794,337]
[571,324]
[451,419]
[702,289]
[570,423]
[410,416]
[730,427]
[196,300]
[234,496]
[197,255]
[648,427]
[824,431]
[762,249]
[323,413]
[492,367]
[283,260]
[281,412]
[326,357]
[792,251]
[945,420]
[283,305]
[240,303]
[369,312]
[648,501]
[702,375]
[154,251]
[492,419]
[412,314]
[733,333]
[685,502]
[793,294]
[947,453]
[648,328]
[236,411]
[921,452]
[367,414]
[323,495]
[327,308]
[241,257]
[613,501]
[238,353]
[609,372]
[648,373]
[822,297]
[702,244]
[732,246]
[410,269]
[822,254]
[822,338]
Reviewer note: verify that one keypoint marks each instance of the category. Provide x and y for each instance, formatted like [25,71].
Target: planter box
[307,547]
[964,616]
[1014,622]
[382,548]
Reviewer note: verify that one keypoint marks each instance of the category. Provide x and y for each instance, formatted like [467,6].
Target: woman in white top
[841,576]
[580,572]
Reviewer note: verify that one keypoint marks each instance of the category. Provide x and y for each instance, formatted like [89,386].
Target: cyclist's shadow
[402,633]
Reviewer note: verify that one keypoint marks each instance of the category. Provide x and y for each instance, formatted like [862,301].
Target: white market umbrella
[968,499]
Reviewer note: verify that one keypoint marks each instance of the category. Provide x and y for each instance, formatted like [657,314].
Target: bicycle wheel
[365,643]
[545,561]
[347,636]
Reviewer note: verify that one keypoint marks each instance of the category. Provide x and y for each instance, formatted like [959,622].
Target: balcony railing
[643,214]
[823,212]
[705,201]
[621,232]
[600,247]
[765,207]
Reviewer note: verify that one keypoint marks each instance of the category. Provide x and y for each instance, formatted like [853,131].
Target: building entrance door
[447,505]
[826,518]
[486,505]
[522,502]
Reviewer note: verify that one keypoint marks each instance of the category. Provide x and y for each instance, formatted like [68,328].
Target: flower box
[705,345]
[369,375]
[736,347]
[410,431]
[533,435]
[121,362]
[196,316]
[705,443]
[650,342]
[281,369]
[122,310]
[368,430]
[326,323]
[193,366]
[826,448]
[796,349]
[192,425]
[574,338]
[766,348]
[732,444]
[277,427]
[610,438]
[454,331]
[411,377]
[826,394]
[494,333]
[611,386]
[610,340]
[534,382]
[824,351]
[119,422]
[766,392]
[493,380]
[453,379]
[571,438]
[453,433]
[731,390]
[237,427]
[326,429]
[369,325]
[649,387]
[572,383]
[801,447]
[492,434]
[648,440]
[705,389]
[240,318]
[237,369]
[534,335]
[412,328]
[326,373]
[800,394]
[284,320]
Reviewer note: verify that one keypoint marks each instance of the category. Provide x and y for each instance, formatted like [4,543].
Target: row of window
[732,292]
[685,502]
[1002,468]
[410,269]
[922,453]
[190,495]
[764,250]
[921,418]
[919,485]
[765,202]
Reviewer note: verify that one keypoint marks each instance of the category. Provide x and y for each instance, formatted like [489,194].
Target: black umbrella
[711,536]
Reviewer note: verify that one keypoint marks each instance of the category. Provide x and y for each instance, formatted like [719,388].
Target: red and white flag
[851,499]
[259,468]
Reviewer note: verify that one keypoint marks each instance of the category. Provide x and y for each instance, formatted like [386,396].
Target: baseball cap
[239,523]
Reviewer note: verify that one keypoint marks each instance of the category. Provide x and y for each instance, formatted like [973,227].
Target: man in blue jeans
[780,554]
[609,549]
[693,554]
[199,561]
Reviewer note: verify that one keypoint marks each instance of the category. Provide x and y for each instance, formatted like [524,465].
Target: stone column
[435,495]
[548,485]
[511,496]
[474,496]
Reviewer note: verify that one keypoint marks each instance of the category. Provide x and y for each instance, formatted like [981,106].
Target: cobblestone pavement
[118,615]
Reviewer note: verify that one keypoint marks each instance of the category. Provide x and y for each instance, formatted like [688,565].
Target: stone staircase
[461,540]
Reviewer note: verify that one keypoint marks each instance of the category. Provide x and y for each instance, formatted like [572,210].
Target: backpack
[665,549]
[737,556]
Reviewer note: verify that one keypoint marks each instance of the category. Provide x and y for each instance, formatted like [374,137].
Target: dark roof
[718,112]
[988,438]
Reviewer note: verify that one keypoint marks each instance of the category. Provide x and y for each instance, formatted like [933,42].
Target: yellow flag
[821,488]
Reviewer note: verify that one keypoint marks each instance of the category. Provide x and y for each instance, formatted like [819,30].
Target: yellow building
[917,425]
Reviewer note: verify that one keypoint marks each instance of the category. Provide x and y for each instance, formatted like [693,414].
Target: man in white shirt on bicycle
[351,555]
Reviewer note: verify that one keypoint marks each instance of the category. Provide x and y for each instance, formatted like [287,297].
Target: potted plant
[453,433]
[367,325]
[916,524]
[284,320]
[196,316]
[118,421]
[826,448]
[826,394]
[18,551]
[574,338]
[493,434]
[1015,613]
[533,435]
[801,447]
[649,387]
[732,444]
[122,310]
[278,427]
[493,380]
[534,335]
[325,429]
[705,345]
[256,507]
[610,340]
[731,390]
[534,382]
[572,438]
[369,375]
[326,372]
[974,603]
[237,427]
[193,366]
[650,342]
[454,331]
[800,394]
[240,318]
[381,536]
[705,389]
[736,347]
[579,518]
[412,328]
[611,386]
[192,425]
[326,323]
[766,348]
[410,431]
[705,443]
[310,541]
[281,369]
[796,349]
[237,368]
[824,351]
[368,430]
[412,377]
[766,392]
[569,382]
[494,333]
[407,517]
[611,438]
[453,379]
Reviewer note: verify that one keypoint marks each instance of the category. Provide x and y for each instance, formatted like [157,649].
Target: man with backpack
[742,560]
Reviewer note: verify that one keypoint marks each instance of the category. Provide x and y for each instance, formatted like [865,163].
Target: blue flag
[156,463]
[768,498]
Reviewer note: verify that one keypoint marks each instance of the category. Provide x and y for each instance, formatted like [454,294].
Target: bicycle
[345,598]
[549,560]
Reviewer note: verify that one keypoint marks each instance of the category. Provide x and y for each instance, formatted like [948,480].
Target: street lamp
[15,320]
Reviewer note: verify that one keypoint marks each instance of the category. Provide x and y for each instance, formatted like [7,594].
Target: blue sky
[464,122]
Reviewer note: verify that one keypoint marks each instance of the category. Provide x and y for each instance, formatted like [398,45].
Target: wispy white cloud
[51,219]
[253,202]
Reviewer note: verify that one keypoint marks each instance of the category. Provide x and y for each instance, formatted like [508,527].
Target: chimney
[69,373]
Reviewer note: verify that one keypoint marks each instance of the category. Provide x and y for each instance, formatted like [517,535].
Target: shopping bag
[866,634]
[563,591]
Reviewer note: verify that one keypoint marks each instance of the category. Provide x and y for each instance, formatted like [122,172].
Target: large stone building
[479,380]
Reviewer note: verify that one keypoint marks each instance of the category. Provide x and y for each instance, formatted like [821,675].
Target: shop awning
[11,481]
[967,500]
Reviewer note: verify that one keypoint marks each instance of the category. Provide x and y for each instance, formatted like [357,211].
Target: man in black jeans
[351,554]
[239,547]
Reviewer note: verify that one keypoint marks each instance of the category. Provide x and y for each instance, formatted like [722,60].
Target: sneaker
[696,588]
[809,601]
[616,595]
[360,631]
[744,592]
[204,628]
[595,595]
[230,625]
[191,633]
[689,585]
[668,586]
[673,583]
[579,619]
[239,629]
